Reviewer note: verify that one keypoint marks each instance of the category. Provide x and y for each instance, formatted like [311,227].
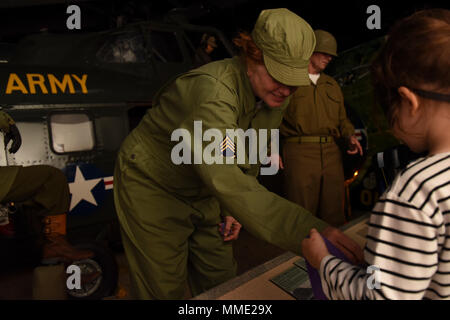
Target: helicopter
[74,99]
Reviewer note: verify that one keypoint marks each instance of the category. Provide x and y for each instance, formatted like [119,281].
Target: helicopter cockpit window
[71,132]
[125,48]
[164,47]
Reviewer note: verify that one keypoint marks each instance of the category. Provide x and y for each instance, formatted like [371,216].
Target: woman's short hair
[248,48]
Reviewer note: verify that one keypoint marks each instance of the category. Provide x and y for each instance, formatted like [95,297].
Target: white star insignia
[81,188]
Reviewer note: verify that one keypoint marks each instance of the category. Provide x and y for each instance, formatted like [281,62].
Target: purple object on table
[314,277]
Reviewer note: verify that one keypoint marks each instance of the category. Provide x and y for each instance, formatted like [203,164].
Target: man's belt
[310,139]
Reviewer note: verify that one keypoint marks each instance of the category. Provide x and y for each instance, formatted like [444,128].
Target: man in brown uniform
[315,118]
[204,51]
[44,189]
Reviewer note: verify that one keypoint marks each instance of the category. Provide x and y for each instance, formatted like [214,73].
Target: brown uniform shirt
[8,173]
[317,110]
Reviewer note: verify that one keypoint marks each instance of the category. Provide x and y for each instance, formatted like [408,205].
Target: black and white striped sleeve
[402,245]
[343,281]
[408,241]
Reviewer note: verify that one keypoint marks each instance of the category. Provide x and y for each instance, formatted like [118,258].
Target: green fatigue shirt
[220,95]
[317,110]
[7,174]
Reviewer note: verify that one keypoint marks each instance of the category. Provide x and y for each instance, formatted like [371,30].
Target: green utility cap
[287,42]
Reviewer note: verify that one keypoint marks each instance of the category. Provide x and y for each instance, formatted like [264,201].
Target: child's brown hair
[417,56]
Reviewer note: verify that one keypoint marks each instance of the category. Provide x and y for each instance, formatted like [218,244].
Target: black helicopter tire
[103,262]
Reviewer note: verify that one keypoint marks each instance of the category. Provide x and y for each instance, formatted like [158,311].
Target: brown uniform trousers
[41,190]
[42,186]
[313,173]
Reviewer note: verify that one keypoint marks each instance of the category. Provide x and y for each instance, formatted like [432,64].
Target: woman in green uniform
[169,213]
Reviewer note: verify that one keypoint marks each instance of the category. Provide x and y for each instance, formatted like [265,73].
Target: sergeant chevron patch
[228,148]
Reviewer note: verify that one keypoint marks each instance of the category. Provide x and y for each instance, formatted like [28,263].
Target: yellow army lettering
[38,80]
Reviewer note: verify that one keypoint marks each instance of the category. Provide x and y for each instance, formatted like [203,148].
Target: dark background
[345,19]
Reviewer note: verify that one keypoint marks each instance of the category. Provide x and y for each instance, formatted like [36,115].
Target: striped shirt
[408,241]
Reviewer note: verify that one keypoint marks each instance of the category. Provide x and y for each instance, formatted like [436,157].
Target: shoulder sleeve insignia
[227,147]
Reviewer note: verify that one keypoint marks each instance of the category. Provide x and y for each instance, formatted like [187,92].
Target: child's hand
[314,249]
